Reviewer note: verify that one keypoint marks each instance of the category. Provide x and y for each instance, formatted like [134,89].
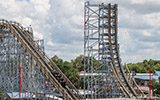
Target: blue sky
[60,24]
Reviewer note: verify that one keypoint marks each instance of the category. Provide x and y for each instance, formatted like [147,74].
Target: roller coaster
[105,18]
[47,67]
[101,44]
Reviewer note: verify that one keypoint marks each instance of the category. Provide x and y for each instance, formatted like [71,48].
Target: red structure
[20,67]
[149,84]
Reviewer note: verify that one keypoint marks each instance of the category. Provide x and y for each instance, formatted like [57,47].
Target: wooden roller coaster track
[125,81]
[46,65]
[123,77]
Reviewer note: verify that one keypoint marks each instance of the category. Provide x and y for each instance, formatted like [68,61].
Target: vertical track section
[112,46]
[101,44]
[99,81]
[47,66]
[115,56]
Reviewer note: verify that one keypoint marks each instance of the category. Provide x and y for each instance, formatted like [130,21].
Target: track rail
[111,45]
[116,66]
[133,82]
[101,42]
[46,65]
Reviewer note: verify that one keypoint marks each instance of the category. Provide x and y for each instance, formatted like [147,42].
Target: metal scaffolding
[99,22]
[104,76]
[29,54]
[13,55]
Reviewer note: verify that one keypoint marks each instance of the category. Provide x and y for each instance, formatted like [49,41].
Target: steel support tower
[100,21]
[13,55]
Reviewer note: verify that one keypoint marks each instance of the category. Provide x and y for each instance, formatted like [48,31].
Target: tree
[157,67]
[151,63]
[145,62]
[142,67]
[67,68]
[78,63]
[155,87]
[73,76]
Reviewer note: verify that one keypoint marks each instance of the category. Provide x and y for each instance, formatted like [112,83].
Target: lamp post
[149,84]
[20,67]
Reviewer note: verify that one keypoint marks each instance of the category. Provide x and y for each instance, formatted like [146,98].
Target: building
[142,80]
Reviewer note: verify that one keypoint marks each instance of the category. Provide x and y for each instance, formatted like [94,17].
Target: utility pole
[149,84]
[20,67]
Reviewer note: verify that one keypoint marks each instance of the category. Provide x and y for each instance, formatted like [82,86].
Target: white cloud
[27,21]
[143,1]
[37,35]
[77,19]
[50,43]
[146,33]
[138,1]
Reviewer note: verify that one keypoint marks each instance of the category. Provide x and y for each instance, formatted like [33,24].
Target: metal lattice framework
[28,53]
[97,52]
[13,55]
[105,76]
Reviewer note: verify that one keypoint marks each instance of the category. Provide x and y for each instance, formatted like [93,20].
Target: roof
[91,74]
[145,76]
[142,74]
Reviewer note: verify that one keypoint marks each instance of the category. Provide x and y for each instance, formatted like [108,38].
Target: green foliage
[142,67]
[71,69]
[81,84]
[68,70]
[1,94]
[78,63]
[73,76]
[155,86]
